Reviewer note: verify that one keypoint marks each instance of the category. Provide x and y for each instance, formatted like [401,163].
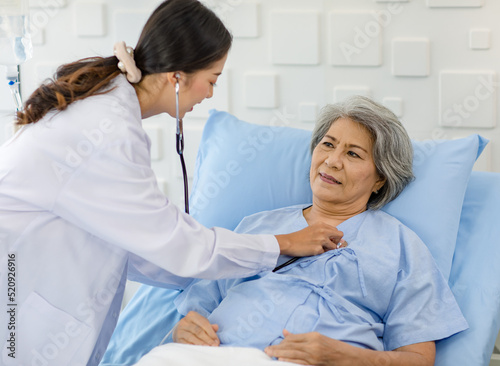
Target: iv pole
[14,78]
[16,44]
[14,82]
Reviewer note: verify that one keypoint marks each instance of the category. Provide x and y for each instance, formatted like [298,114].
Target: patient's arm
[316,349]
[196,329]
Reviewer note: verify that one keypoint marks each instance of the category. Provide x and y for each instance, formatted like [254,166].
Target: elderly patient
[379,298]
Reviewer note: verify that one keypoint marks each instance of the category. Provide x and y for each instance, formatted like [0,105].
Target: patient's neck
[328,214]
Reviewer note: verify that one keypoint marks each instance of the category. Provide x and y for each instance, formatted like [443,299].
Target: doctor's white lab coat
[79,209]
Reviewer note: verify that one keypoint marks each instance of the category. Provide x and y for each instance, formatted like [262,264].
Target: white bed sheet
[188,355]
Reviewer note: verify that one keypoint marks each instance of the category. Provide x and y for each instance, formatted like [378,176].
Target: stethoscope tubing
[180,147]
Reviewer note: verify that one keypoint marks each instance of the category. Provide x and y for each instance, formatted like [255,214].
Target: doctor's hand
[196,329]
[314,239]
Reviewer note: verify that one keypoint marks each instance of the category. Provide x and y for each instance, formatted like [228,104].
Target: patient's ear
[379,184]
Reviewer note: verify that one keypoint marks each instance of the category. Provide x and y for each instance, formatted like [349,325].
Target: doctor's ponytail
[180,35]
[72,82]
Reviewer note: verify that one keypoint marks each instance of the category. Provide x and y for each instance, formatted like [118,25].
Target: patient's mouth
[328,178]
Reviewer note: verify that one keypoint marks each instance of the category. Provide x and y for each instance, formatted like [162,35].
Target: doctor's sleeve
[204,296]
[113,195]
[422,307]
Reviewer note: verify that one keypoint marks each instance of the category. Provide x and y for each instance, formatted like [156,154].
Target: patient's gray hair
[392,148]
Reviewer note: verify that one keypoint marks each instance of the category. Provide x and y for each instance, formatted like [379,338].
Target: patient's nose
[334,161]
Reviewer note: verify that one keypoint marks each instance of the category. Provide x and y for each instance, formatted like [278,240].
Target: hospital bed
[243,168]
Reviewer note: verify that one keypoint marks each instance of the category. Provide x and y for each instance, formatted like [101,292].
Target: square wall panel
[411,57]
[454,3]
[480,39]
[295,37]
[342,92]
[467,99]
[260,90]
[89,19]
[355,39]
[243,21]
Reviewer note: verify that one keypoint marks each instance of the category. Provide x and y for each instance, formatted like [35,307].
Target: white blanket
[175,354]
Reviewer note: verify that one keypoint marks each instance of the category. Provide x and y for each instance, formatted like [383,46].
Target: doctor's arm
[123,206]
[316,349]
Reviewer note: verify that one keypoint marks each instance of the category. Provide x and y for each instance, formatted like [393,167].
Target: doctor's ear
[174,77]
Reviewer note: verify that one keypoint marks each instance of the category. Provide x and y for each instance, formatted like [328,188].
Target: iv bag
[15,38]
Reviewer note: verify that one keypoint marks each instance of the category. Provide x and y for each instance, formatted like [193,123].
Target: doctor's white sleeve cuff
[257,252]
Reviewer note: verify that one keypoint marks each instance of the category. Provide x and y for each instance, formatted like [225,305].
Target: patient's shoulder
[278,221]
[391,231]
[387,221]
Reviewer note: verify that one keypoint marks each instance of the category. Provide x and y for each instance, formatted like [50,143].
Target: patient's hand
[316,349]
[307,349]
[196,329]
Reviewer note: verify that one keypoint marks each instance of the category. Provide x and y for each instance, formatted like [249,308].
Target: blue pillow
[475,275]
[244,168]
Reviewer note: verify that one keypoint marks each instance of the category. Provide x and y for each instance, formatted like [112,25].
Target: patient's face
[343,172]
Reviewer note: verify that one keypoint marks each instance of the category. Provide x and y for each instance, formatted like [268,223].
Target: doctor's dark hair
[392,148]
[180,35]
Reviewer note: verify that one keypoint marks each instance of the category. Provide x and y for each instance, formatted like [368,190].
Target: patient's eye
[328,144]
[353,154]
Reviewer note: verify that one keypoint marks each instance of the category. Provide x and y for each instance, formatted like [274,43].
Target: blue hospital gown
[382,292]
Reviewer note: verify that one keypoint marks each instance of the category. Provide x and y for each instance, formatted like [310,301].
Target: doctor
[79,204]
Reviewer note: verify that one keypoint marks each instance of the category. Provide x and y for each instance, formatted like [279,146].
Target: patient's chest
[343,289]
[361,274]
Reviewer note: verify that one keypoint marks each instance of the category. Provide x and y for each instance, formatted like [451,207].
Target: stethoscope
[180,145]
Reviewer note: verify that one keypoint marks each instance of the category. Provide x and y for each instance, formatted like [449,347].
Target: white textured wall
[434,62]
